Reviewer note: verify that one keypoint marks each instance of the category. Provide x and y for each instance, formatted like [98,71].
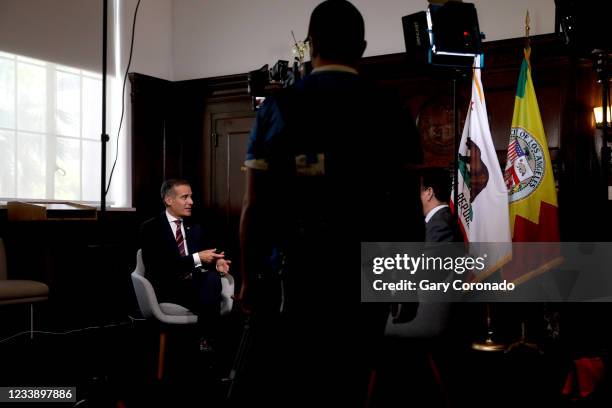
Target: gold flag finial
[527,28]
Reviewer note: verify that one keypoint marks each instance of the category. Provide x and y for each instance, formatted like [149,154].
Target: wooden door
[229,137]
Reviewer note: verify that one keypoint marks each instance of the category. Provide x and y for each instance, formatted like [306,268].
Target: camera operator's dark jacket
[360,138]
[336,149]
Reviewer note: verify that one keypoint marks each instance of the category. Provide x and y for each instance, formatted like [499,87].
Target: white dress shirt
[171,218]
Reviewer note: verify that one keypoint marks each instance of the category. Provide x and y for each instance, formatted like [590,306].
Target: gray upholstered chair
[170,313]
[15,291]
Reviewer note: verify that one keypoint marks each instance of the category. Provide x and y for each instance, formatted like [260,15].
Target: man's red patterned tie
[180,241]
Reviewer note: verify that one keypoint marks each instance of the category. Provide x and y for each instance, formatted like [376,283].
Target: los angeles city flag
[531,186]
[482,198]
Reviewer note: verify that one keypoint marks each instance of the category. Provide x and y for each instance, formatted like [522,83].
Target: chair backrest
[431,320]
[145,294]
[139,269]
[3,272]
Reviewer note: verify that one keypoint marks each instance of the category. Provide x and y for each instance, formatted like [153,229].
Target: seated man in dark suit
[178,266]
[440,226]
[417,349]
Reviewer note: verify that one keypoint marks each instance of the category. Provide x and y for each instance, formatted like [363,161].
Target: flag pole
[488,344]
[527,29]
[527,50]
[522,342]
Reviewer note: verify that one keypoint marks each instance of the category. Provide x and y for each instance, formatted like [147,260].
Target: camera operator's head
[336,33]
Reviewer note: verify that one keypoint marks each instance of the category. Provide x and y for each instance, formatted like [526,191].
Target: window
[50,124]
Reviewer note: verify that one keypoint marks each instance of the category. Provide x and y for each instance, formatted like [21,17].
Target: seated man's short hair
[168,186]
[439,180]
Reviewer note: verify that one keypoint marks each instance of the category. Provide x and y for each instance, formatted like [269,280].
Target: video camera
[265,81]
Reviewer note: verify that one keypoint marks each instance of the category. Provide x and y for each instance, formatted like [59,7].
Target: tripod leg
[241,354]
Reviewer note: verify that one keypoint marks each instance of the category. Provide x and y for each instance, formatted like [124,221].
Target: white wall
[222,37]
[153,56]
[153,40]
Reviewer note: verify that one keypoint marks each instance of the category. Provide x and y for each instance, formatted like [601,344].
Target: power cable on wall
[127,69]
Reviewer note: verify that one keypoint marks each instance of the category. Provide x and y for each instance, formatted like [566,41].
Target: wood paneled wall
[174,123]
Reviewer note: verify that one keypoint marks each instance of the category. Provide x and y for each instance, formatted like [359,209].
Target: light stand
[103,137]
[97,383]
[457,140]
[461,75]
[448,37]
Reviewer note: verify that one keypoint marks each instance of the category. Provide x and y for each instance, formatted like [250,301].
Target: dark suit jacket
[167,270]
[442,228]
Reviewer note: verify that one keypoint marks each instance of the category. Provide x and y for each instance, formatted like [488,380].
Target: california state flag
[482,199]
[531,185]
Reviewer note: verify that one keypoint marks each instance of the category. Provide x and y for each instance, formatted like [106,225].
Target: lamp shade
[598,113]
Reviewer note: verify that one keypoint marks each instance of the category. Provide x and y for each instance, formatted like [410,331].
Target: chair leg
[162,352]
